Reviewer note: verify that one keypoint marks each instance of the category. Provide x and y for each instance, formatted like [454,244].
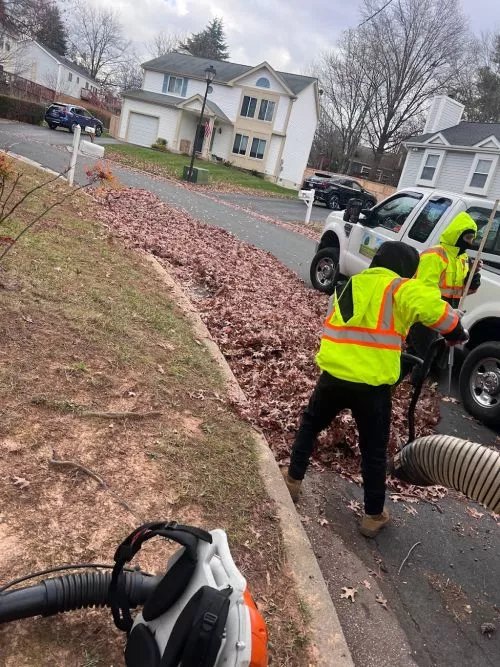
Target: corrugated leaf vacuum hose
[458,464]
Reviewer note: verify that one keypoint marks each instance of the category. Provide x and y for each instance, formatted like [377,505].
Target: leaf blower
[198,614]
[457,464]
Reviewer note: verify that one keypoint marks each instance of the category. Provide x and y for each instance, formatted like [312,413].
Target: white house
[255,117]
[41,65]
[451,155]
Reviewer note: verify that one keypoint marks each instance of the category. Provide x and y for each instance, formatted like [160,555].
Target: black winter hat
[398,257]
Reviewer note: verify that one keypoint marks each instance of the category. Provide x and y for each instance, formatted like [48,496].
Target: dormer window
[263,82]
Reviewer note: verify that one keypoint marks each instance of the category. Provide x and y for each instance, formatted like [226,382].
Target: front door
[200,135]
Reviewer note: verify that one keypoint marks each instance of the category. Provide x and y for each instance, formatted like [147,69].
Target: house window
[70,76]
[266,110]
[175,85]
[263,82]
[87,85]
[481,173]
[430,168]
[258,148]
[240,144]
[248,107]
[428,218]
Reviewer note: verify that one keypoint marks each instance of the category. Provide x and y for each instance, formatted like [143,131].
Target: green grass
[172,165]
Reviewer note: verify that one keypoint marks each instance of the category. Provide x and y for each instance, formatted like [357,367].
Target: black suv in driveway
[336,190]
[69,116]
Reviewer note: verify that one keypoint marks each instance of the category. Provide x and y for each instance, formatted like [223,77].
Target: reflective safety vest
[445,269]
[367,348]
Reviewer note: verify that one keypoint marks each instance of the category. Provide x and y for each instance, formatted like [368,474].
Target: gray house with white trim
[454,156]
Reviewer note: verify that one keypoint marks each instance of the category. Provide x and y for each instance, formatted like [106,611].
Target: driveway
[449,586]
[288,210]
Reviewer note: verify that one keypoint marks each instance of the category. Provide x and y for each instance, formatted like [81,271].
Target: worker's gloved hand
[475,282]
[460,340]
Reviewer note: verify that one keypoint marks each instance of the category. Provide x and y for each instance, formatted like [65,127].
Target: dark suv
[336,190]
[69,116]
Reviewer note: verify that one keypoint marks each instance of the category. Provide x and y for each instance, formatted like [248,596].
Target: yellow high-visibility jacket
[442,265]
[367,348]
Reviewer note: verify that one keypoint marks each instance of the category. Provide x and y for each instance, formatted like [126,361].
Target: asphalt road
[451,583]
[288,210]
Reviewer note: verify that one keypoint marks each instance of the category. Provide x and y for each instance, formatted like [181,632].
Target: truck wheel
[324,271]
[480,383]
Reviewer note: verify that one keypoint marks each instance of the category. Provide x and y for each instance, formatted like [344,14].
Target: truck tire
[480,383]
[324,271]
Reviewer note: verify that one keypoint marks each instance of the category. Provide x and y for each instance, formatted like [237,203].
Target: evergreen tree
[209,43]
[52,32]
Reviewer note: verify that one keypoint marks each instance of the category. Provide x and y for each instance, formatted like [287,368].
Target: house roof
[170,101]
[68,63]
[463,134]
[181,63]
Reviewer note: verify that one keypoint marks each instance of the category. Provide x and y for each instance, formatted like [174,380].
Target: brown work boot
[372,524]
[293,485]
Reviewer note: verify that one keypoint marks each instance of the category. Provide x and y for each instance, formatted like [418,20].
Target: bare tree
[347,94]
[97,40]
[129,75]
[164,42]
[413,46]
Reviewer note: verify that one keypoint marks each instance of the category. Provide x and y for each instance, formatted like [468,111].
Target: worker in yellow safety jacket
[359,358]
[447,266]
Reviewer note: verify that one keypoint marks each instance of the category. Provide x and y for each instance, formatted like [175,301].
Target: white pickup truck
[418,216]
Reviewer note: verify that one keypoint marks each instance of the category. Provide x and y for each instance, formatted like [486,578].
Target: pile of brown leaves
[265,320]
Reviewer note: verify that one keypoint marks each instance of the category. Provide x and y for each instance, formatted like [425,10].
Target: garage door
[142,130]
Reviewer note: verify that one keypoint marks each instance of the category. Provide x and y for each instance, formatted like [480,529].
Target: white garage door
[142,130]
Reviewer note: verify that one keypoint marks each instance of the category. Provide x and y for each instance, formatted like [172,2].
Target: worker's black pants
[371,408]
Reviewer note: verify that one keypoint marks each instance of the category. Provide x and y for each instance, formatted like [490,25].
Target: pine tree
[52,32]
[209,43]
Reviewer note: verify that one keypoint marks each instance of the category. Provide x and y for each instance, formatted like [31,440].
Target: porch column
[209,128]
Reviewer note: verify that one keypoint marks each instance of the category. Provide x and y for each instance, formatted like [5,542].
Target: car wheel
[73,127]
[52,126]
[333,202]
[480,383]
[324,271]
[98,130]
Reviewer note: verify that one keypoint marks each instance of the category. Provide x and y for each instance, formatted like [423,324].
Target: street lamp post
[209,76]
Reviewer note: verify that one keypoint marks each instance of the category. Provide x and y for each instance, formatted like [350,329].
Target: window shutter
[184,87]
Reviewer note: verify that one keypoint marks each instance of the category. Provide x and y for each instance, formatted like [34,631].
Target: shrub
[21,110]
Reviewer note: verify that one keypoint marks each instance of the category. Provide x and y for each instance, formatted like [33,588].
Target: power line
[375,14]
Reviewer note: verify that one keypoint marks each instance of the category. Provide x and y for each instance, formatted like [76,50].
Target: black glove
[475,282]
[457,335]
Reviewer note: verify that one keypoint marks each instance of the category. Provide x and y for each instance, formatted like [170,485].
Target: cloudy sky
[286,33]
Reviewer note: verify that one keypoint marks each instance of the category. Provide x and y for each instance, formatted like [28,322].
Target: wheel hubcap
[485,382]
[325,271]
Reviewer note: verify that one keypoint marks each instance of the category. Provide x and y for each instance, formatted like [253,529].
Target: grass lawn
[172,164]
[89,327]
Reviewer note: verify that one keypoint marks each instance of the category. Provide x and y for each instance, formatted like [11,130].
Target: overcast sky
[286,33]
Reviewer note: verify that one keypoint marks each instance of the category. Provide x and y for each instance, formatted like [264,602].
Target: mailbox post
[307,196]
[85,148]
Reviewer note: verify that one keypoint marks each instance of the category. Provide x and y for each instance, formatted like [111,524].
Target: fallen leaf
[160,369]
[348,593]
[355,507]
[474,513]
[468,608]
[374,574]
[410,510]
[20,482]
[449,399]
[381,600]
[367,584]
[322,521]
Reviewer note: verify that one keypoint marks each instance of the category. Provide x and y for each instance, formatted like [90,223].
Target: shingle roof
[463,134]
[169,101]
[68,63]
[181,63]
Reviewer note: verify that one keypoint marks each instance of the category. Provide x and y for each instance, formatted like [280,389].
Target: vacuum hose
[457,464]
[72,591]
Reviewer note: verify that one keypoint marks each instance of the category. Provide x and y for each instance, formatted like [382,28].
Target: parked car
[418,217]
[69,116]
[335,190]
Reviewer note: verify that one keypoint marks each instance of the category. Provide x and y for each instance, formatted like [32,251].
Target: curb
[328,645]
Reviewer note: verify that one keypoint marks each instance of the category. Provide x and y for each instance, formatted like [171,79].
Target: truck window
[393,213]
[481,216]
[428,218]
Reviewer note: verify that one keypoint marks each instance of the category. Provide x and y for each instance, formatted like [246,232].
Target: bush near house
[26,112]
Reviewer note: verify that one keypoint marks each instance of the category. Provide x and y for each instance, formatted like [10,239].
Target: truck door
[386,222]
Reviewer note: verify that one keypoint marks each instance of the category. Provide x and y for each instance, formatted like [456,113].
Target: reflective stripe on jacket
[367,348]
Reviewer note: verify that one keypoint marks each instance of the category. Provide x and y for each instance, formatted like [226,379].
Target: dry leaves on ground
[265,320]
[381,600]
[348,593]
[474,513]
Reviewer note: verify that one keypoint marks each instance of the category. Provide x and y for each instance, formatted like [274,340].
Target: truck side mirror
[369,220]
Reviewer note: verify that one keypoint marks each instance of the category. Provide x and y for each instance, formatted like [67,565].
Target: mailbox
[306,196]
